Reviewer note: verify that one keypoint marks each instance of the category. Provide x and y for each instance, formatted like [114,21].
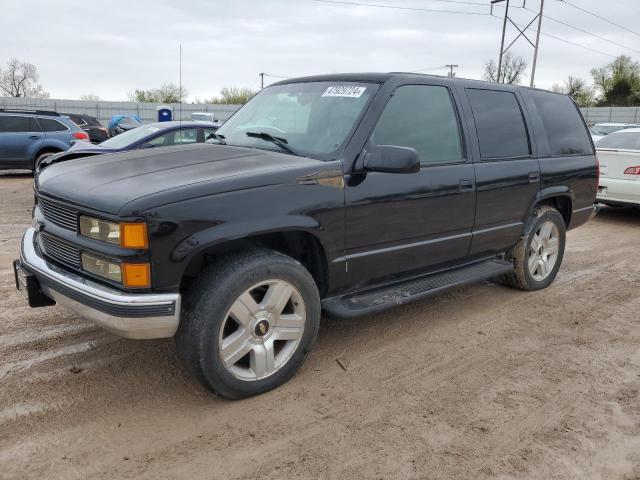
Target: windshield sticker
[344,91]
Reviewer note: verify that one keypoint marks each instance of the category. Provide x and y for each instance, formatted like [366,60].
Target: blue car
[159,134]
[27,137]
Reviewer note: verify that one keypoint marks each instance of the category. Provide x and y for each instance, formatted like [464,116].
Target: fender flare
[203,240]
[545,194]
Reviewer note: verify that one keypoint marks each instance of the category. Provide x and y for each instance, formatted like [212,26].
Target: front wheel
[248,323]
[538,254]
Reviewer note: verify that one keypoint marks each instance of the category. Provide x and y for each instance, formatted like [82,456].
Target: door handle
[534,177]
[466,185]
[34,137]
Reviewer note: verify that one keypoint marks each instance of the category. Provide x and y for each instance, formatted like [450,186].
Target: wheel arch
[560,198]
[298,243]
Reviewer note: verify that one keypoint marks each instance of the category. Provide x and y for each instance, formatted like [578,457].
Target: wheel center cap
[261,328]
[540,249]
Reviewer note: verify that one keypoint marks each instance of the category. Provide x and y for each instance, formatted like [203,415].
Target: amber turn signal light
[133,235]
[136,275]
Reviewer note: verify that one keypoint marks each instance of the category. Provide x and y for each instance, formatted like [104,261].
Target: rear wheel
[538,255]
[248,323]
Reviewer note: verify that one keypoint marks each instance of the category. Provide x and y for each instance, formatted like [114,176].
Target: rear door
[20,135]
[507,171]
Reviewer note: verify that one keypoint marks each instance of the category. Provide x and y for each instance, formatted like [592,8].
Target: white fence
[611,114]
[103,111]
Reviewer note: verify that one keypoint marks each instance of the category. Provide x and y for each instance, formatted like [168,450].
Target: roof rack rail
[49,113]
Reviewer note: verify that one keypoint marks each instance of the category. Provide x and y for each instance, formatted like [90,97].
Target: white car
[205,117]
[619,156]
[601,130]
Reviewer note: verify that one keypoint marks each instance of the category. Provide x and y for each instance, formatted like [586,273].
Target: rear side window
[14,123]
[500,125]
[421,117]
[562,123]
[620,140]
[50,125]
[77,120]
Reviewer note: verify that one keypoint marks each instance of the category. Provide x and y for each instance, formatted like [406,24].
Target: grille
[58,250]
[59,214]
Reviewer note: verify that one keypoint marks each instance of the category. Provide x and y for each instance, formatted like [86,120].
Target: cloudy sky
[111,48]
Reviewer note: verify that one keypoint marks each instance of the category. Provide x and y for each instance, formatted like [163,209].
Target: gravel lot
[481,382]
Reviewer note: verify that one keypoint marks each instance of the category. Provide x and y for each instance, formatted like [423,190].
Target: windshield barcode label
[344,91]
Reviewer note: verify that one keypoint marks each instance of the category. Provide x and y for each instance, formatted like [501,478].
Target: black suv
[96,131]
[342,194]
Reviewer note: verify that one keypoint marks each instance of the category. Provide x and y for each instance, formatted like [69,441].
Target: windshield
[620,140]
[202,117]
[313,119]
[606,129]
[130,137]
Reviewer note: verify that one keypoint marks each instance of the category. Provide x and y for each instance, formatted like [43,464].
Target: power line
[395,7]
[586,32]
[588,12]
[560,39]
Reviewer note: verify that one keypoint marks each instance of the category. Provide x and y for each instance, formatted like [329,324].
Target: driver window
[162,140]
[186,136]
[421,117]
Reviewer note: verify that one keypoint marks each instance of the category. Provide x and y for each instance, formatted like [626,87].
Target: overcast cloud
[111,48]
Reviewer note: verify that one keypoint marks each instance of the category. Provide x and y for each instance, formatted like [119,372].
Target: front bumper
[130,315]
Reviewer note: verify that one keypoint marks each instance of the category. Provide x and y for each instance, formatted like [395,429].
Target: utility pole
[522,32]
[535,52]
[261,80]
[451,66]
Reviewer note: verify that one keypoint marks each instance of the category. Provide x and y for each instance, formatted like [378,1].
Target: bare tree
[512,71]
[20,79]
[90,97]
[578,89]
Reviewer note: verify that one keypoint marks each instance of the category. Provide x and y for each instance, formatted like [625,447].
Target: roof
[379,77]
[184,123]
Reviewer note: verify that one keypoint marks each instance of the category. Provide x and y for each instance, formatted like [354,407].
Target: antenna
[180,90]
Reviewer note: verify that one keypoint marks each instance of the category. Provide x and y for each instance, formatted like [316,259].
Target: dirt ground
[481,382]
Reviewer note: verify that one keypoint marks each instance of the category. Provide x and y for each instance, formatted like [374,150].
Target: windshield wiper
[281,142]
[218,137]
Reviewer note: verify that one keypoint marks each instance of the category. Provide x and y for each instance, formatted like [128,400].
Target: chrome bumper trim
[130,315]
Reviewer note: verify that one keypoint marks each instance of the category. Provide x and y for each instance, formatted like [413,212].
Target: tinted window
[13,123]
[78,120]
[499,123]
[50,125]
[562,123]
[421,117]
[620,140]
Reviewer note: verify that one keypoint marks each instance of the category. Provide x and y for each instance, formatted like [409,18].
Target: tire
[529,274]
[216,323]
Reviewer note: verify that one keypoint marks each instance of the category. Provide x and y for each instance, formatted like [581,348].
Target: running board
[382,298]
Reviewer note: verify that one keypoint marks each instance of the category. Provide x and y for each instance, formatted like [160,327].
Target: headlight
[127,235]
[102,268]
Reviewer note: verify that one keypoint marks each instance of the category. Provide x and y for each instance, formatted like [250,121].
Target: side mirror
[147,145]
[392,159]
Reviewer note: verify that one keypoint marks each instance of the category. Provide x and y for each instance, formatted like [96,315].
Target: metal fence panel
[103,110]
[611,114]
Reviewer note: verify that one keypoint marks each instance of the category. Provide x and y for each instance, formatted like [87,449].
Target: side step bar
[382,298]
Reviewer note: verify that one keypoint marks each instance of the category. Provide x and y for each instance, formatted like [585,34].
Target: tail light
[80,136]
[632,171]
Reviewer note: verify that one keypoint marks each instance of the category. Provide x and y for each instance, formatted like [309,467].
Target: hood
[126,182]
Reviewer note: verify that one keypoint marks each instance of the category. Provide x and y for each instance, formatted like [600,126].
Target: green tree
[167,93]
[232,96]
[618,83]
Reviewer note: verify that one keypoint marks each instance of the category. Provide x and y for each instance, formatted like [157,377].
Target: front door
[402,223]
